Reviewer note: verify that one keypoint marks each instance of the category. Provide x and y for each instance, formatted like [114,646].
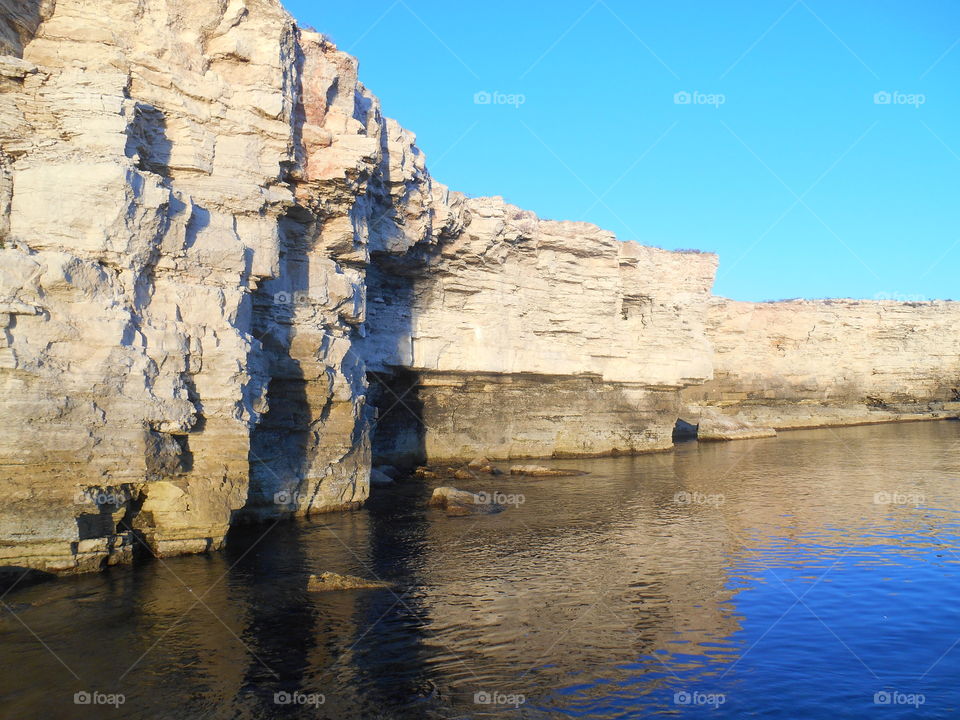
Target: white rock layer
[804,363]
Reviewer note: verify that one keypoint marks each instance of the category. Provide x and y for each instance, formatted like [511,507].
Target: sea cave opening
[684,431]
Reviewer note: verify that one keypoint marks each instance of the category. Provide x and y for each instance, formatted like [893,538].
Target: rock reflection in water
[790,577]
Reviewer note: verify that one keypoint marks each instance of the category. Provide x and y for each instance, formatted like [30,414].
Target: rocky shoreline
[229,287]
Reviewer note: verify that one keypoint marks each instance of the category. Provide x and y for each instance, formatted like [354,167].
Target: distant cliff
[228,283]
[805,363]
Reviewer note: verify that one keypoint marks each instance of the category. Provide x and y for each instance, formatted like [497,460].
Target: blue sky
[784,161]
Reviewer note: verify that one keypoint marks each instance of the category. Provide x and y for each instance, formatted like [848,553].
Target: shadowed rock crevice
[147,140]
[280,443]
[399,434]
[19,20]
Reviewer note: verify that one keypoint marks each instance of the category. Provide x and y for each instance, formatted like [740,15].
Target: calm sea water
[813,575]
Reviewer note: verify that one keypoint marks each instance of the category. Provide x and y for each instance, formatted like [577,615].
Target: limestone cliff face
[193,197]
[187,191]
[512,294]
[817,363]
[145,148]
[528,337]
[227,282]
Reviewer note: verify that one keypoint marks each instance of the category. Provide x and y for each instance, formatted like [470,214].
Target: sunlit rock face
[176,320]
[532,338]
[227,281]
[189,194]
[804,363]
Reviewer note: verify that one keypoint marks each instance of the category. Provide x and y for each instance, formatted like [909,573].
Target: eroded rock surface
[462,502]
[187,191]
[144,148]
[805,363]
[519,337]
[225,276]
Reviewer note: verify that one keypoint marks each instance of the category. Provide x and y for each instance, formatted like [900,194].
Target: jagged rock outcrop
[227,281]
[815,363]
[145,147]
[187,191]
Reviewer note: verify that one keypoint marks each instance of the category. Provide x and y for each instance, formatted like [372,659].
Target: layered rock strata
[187,191]
[520,337]
[227,281]
[804,363]
[144,150]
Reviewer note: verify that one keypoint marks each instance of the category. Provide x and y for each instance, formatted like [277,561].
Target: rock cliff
[183,249]
[524,337]
[804,363]
[227,281]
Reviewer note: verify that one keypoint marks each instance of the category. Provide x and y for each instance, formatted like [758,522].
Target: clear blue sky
[803,184]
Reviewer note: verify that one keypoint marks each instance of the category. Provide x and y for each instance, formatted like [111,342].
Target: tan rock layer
[804,363]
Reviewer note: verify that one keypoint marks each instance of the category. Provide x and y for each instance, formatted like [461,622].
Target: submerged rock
[333,581]
[540,471]
[478,463]
[716,426]
[462,502]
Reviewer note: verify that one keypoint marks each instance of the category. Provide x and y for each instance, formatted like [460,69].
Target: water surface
[811,575]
